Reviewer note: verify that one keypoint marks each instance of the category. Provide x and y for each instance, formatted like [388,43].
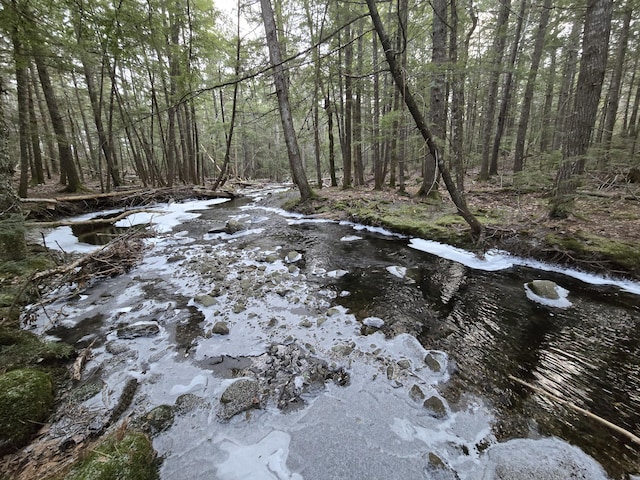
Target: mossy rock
[26,400]
[129,457]
[19,348]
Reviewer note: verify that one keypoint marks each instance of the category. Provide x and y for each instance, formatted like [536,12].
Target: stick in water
[575,407]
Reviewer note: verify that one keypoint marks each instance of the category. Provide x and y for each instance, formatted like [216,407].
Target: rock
[547,458]
[240,396]
[205,300]
[438,469]
[129,456]
[220,328]
[404,364]
[188,402]
[432,363]
[343,349]
[138,330]
[436,407]
[416,394]
[306,323]
[155,421]
[544,288]
[293,257]
[233,226]
[333,311]
[219,228]
[26,399]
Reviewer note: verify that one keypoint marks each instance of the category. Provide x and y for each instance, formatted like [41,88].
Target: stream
[364,354]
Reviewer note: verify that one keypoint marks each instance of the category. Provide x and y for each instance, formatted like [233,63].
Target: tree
[595,41]
[499,41]
[282,92]
[525,108]
[477,230]
[12,241]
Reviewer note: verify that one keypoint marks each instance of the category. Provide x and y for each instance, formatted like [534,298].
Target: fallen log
[93,221]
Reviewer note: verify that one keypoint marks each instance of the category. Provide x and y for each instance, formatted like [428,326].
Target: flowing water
[358,298]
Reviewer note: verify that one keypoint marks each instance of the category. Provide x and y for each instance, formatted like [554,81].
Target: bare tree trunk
[348,109]
[477,230]
[64,147]
[597,27]
[22,87]
[332,149]
[282,92]
[378,170]
[525,108]
[499,41]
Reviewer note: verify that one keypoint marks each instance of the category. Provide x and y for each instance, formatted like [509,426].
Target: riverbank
[603,236]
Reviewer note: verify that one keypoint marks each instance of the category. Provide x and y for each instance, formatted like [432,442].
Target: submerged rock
[432,363]
[549,459]
[26,399]
[240,396]
[155,421]
[137,330]
[436,407]
[293,257]
[205,300]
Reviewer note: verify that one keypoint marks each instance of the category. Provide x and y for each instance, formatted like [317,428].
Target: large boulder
[26,400]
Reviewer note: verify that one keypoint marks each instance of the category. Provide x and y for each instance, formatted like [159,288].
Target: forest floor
[602,235]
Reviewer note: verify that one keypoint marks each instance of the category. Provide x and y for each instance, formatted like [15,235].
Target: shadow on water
[588,354]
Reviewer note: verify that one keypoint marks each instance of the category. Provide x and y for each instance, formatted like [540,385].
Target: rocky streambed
[233,346]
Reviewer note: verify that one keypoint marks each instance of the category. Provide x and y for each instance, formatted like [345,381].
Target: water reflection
[588,354]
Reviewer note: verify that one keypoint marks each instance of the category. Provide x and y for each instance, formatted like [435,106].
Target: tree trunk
[348,109]
[22,87]
[332,148]
[597,26]
[282,92]
[12,240]
[505,104]
[378,169]
[64,147]
[525,108]
[477,230]
[437,103]
[499,41]
[614,88]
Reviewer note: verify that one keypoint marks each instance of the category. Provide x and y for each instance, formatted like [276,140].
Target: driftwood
[635,439]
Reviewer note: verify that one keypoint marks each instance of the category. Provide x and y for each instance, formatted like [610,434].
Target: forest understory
[601,235]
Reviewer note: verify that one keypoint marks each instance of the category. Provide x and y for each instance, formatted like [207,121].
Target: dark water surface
[587,354]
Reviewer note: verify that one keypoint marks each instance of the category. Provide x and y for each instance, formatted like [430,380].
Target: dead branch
[575,407]
[94,221]
[81,360]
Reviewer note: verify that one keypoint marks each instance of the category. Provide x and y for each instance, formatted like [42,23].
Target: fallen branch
[581,410]
[94,221]
[78,365]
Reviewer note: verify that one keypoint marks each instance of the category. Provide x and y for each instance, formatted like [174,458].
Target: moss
[128,457]
[19,348]
[623,254]
[26,399]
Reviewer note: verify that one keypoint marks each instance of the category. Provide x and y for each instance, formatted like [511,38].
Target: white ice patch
[350,238]
[397,271]
[336,273]
[560,302]
[198,380]
[265,460]
[373,322]
[495,260]
[382,231]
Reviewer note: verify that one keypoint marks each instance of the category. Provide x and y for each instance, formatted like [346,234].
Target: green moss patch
[587,246]
[130,457]
[26,399]
[19,348]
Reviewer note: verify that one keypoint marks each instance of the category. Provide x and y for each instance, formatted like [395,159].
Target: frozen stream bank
[338,382]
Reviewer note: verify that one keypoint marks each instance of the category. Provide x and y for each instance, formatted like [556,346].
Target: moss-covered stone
[26,399]
[19,348]
[155,421]
[130,457]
